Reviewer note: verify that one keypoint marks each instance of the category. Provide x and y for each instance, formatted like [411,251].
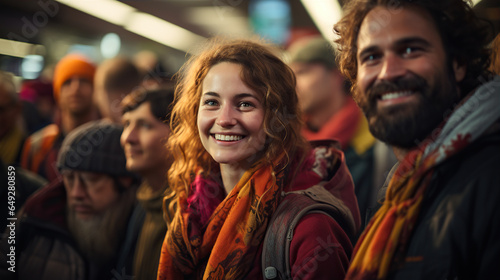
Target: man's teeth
[393,95]
[228,137]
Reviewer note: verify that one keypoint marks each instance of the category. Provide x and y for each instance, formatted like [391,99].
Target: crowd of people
[388,139]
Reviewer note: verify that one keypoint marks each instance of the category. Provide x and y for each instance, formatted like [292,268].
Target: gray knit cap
[315,50]
[94,147]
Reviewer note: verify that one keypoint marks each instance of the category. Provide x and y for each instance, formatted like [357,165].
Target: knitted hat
[313,50]
[69,66]
[94,147]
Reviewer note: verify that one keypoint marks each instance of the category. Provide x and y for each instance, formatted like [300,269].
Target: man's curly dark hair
[465,36]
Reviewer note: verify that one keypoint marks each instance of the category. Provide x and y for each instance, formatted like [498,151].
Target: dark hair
[161,101]
[465,36]
[118,74]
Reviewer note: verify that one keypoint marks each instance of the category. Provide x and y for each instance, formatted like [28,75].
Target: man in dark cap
[77,227]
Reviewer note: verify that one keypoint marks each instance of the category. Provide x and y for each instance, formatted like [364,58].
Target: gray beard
[98,238]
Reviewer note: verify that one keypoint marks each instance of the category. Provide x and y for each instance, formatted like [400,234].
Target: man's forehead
[391,24]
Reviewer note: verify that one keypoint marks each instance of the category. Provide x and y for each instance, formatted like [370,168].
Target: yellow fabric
[363,139]
[10,145]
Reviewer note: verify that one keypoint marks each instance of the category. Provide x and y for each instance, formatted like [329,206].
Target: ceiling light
[163,32]
[108,10]
[325,14]
[15,48]
[143,24]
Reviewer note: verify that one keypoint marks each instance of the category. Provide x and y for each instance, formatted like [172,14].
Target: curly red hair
[264,72]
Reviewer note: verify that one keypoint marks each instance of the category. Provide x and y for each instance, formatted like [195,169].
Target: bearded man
[419,72]
[78,227]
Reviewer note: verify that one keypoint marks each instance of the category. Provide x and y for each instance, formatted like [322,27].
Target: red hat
[69,66]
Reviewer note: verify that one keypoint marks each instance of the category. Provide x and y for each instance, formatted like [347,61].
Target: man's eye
[411,51]
[370,57]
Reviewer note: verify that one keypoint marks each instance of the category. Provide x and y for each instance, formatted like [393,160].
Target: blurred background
[35,34]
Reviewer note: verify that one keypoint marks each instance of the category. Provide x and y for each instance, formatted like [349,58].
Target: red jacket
[320,247]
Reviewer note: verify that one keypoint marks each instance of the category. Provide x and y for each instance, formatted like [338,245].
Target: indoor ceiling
[46,21]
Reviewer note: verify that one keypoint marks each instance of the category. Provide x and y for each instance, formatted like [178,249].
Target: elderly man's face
[89,193]
[405,82]
[97,213]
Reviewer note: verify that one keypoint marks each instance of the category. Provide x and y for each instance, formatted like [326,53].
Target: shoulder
[46,134]
[48,204]
[51,130]
[478,164]
[320,248]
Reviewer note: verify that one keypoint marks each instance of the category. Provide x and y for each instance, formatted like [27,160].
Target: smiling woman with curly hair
[237,146]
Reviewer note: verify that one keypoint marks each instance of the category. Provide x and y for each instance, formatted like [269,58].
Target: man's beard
[407,125]
[98,238]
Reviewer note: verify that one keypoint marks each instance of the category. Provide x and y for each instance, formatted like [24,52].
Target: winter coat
[457,233]
[44,248]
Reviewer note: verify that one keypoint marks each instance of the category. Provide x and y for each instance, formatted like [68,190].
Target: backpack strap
[279,234]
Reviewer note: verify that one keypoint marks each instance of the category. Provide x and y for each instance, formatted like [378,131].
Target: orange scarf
[384,240]
[383,244]
[226,247]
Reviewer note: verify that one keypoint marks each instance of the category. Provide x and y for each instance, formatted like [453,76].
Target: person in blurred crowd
[419,70]
[12,135]
[38,104]
[114,79]
[146,115]
[153,71]
[73,90]
[330,113]
[77,227]
[11,139]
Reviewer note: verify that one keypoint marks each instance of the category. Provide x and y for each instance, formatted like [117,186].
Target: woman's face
[230,117]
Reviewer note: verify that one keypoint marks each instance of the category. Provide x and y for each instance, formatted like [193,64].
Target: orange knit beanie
[69,66]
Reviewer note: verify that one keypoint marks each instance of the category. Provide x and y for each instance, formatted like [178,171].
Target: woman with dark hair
[237,147]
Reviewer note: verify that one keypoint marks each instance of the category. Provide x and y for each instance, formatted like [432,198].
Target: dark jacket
[19,184]
[457,235]
[44,247]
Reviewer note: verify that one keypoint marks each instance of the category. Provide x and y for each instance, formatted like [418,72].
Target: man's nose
[392,67]
[78,190]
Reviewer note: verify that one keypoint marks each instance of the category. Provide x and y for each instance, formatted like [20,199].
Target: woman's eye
[246,104]
[211,102]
